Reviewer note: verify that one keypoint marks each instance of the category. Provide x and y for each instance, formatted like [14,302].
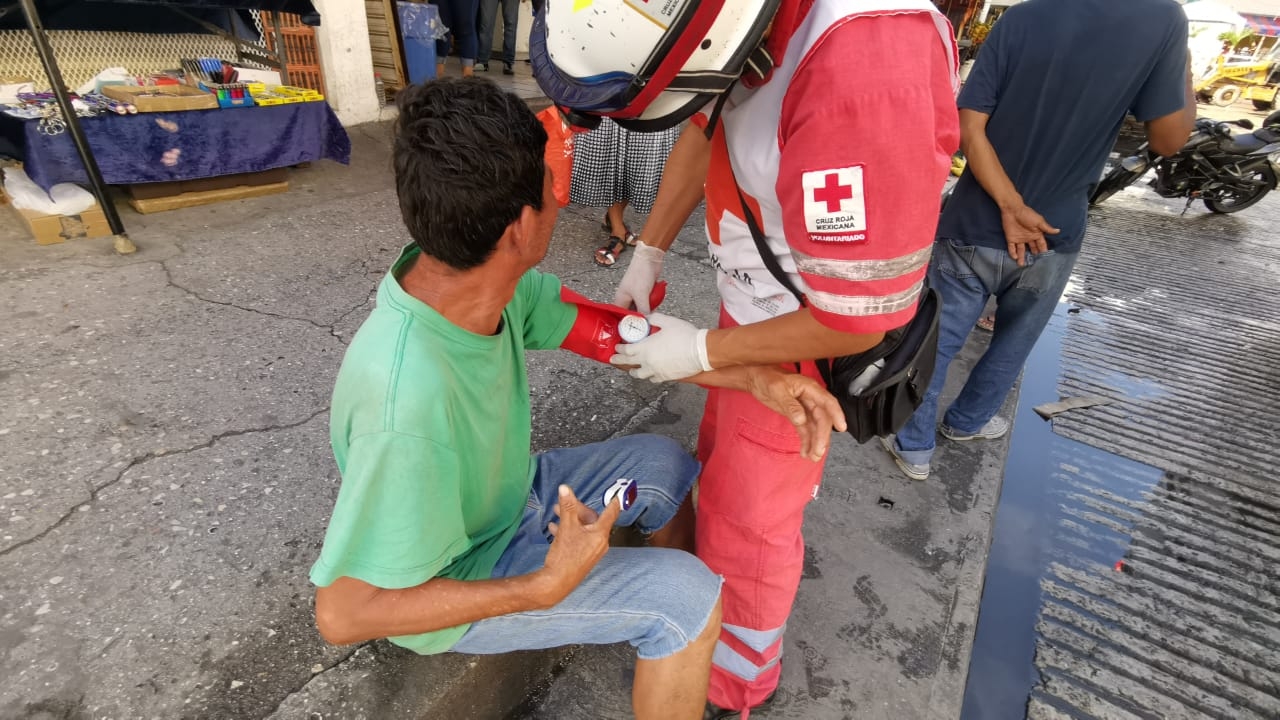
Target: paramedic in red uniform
[841,153]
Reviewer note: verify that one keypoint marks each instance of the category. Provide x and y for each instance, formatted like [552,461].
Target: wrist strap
[700,341]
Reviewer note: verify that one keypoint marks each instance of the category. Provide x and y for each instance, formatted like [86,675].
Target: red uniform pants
[751,499]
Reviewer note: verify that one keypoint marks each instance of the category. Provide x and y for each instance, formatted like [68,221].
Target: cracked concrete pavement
[165,478]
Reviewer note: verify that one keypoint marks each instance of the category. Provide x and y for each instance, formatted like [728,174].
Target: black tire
[1264,105]
[1236,203]
[1272,119]
[1115,181]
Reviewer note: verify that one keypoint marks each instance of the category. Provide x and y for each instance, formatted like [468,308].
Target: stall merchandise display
[221,79]
[169,146]
[169,158]
[44,107]
[202,84]
[161,98]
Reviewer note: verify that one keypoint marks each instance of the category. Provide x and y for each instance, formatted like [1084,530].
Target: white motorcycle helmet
[647,64]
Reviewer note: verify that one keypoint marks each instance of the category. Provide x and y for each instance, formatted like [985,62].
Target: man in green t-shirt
[446,535]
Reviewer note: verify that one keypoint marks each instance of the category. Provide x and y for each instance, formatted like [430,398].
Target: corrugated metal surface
[384,42]
[1161,598]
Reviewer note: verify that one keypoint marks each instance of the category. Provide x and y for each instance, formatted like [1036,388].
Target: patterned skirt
[612,165]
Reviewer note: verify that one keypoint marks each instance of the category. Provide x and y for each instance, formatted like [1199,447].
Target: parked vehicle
[1229,172]
[1257,80]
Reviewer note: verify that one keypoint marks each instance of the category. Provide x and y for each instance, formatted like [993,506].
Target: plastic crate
[302,54]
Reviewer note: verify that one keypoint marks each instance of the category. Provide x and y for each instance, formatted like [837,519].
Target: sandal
[987,322]
[608,255]
[630,237]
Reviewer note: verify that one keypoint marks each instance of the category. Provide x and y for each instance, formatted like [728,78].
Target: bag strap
[762,247]
[759,64]
[714,118]
[775,269]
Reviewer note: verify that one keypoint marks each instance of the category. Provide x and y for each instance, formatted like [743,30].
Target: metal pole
[281,56]
[122,243]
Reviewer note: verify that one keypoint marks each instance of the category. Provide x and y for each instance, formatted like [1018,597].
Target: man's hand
[806,403]
[586,516]
[577,546]
[1024,230]
[676,350]
[640,277]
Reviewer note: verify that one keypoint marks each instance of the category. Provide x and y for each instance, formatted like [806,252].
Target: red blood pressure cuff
[594,334]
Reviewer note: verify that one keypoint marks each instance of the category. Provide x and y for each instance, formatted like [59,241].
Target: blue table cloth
[131,148]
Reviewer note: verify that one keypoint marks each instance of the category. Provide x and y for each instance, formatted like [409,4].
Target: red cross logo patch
[834,207]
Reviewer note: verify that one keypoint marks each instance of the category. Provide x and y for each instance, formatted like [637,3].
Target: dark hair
[468,159]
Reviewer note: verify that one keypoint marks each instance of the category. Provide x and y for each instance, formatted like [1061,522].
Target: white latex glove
[640,277]
[677,350]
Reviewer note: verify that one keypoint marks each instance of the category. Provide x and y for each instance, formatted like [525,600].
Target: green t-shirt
[430,428]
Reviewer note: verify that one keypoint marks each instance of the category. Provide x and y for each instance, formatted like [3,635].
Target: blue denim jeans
[460,17]
[966,276]
[654,598]
[484,29]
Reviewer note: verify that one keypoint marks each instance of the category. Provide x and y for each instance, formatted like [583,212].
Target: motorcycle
[1228,172]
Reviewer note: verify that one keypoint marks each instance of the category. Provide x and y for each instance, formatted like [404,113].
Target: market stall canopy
[143,15]
[1263,25]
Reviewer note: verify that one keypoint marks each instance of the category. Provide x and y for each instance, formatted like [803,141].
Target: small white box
[266,77]
[9,89]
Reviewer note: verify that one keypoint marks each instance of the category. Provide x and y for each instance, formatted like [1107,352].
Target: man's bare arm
[791,337]
[982,160]
[1166,135]
[351,610]
[681,188]
[1024,228]
[811,409]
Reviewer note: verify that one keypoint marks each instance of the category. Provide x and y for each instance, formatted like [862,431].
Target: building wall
[343,37]
[523,26]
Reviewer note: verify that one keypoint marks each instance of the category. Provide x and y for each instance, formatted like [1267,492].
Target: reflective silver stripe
[757,640]
[863,270]
[728,659]
[862,305]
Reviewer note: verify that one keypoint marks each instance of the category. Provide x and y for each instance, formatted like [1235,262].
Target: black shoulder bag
[881,402]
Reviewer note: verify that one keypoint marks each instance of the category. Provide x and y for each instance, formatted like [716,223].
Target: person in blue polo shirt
[1038,117]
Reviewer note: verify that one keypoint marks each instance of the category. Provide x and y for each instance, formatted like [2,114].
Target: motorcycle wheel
[1248,198]
[1115,181]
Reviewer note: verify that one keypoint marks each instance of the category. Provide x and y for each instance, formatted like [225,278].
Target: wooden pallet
[384,43]
[205,197]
